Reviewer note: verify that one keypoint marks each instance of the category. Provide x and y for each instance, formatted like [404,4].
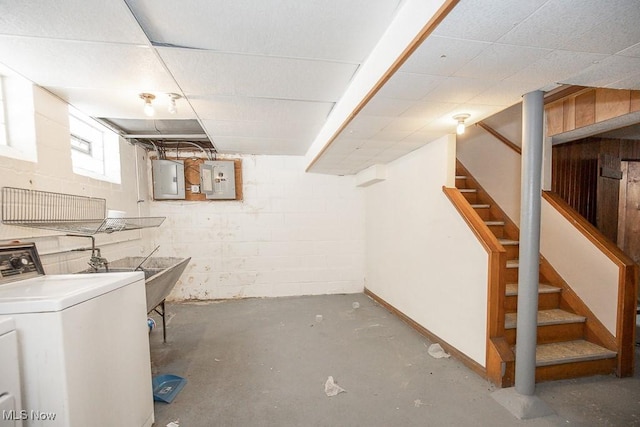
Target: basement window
[3,115]
[17,117]
[95,149]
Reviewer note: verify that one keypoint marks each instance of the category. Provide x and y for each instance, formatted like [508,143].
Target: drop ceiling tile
[330,29]
[428,110]
[630,83]
[363,127]
[556,66]
[379,144]
[86,65]
[241,108]
[584,26]
[409,86]
[631,51]
[251,129]
[459,89]
[340,149]
[486,20]
[504,94]
[422,137]
[406,124]
[205,72]
[393,135]
[501,61]
[381,106]
[266,146]
[610,70]
[88,20]
[124,104]
[442,56]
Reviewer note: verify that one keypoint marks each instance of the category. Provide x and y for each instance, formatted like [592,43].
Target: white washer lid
[57,292]
[6,325]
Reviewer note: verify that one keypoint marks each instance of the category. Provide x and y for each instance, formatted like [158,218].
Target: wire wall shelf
[65,212]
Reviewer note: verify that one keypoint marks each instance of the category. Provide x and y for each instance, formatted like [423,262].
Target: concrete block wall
[294,233]
[53,172]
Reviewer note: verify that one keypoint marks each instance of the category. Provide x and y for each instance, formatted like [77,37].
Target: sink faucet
[96,261]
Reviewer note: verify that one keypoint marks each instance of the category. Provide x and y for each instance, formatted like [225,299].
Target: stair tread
[513,263]
[543,288]
[494,222]
[508,242]
[570,351]
[480,206]
[467,190]
[554,316]
[461,176]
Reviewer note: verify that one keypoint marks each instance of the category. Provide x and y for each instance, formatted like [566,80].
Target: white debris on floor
[331,388]
[437,352]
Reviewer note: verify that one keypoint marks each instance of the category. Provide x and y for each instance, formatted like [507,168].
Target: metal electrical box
[218,179]
[168,179]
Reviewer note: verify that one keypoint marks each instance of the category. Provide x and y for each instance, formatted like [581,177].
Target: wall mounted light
[460,118]
[172,102]
[148,107]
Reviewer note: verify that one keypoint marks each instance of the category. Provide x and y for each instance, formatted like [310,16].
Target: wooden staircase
[567,346]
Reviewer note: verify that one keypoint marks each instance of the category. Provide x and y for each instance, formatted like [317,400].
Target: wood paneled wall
[589,106]
[575,175]
[577,178]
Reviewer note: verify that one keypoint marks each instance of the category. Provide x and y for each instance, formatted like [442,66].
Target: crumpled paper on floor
[437,352]
[331,388]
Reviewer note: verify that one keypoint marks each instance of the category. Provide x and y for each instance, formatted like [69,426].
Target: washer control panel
[19,261]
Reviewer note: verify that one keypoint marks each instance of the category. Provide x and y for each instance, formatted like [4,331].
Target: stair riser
[471,197]
[483,213]
[545,302]
[497,230]
[575,370]
[513,251]
[511,276]
[461,183]
[552,333]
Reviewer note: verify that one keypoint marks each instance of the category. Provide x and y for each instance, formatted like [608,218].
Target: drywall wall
[53,172]
[293,233]
[589,272]
[492,163]
[421,256]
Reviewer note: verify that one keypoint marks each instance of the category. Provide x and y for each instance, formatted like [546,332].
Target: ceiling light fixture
[148,107]
[460,118]
[172,102]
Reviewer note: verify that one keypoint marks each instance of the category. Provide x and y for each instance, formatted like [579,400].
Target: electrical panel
[168,179]
[218,179]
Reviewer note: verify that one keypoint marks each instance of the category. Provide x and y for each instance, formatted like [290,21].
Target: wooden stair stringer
[595,331]
[500,350]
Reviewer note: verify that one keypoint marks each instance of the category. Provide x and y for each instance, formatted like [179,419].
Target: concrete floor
[264,362]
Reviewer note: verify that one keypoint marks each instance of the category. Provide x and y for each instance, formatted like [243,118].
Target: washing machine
[10,407]
[82,342]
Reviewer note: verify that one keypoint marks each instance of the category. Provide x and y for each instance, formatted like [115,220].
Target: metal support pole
[529,260]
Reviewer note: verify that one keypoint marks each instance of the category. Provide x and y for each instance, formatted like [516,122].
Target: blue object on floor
[166,387]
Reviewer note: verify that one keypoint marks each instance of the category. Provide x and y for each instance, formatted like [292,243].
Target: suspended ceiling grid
[262,77]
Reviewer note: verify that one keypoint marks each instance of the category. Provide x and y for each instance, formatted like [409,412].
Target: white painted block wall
[53,172]
[294,233]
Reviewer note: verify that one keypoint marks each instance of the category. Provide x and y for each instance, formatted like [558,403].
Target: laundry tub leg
[164,324]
